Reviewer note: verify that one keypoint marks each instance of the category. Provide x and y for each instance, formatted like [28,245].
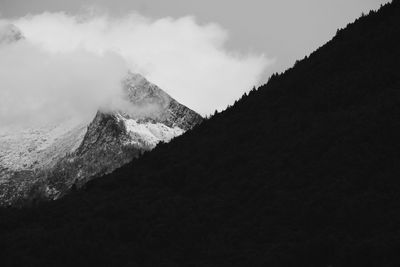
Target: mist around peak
[57,65]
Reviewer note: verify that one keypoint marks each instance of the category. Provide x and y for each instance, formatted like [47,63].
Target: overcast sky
[204,53]
[282,29]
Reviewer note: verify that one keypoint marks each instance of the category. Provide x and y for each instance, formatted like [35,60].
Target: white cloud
[38,87]
[76,62]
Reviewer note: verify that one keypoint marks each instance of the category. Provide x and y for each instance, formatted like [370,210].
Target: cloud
[39,88]
[70,64]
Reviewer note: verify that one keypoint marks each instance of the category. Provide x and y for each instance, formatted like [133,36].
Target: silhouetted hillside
[304,171]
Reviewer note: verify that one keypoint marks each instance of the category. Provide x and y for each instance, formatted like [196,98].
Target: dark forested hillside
[304,171]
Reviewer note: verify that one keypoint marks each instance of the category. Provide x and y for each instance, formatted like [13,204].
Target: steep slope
[45,162]
[24,152]
[114,138]
[302,172]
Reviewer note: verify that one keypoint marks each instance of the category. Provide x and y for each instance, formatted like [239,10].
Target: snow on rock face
[33,148]
[45,162]
[157,104]
[149,134]
[25,152]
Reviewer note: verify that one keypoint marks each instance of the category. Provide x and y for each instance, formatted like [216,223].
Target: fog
[71,65]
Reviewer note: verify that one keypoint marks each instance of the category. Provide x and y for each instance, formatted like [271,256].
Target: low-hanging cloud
[41,88]
[72,64]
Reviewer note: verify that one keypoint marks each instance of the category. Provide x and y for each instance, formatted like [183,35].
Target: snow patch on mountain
[38,147]
[149,134]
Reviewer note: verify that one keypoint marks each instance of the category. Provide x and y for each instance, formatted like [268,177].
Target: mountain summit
[45,162]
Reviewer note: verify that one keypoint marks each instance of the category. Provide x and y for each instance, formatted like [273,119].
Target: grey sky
[282,29]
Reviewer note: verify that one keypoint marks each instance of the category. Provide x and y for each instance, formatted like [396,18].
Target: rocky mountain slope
[45,162]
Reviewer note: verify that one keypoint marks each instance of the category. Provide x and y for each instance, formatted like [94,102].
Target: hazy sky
[204,53]
[282,29]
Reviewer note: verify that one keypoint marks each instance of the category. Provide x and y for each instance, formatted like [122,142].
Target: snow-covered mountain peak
[159,106]
[47,161]
[142,92]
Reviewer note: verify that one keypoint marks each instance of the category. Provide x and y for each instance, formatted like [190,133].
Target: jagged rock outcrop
[110,140]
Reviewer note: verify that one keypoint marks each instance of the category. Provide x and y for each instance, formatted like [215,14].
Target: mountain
[114,138]
[25,152]
[45,162]
[303,171]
